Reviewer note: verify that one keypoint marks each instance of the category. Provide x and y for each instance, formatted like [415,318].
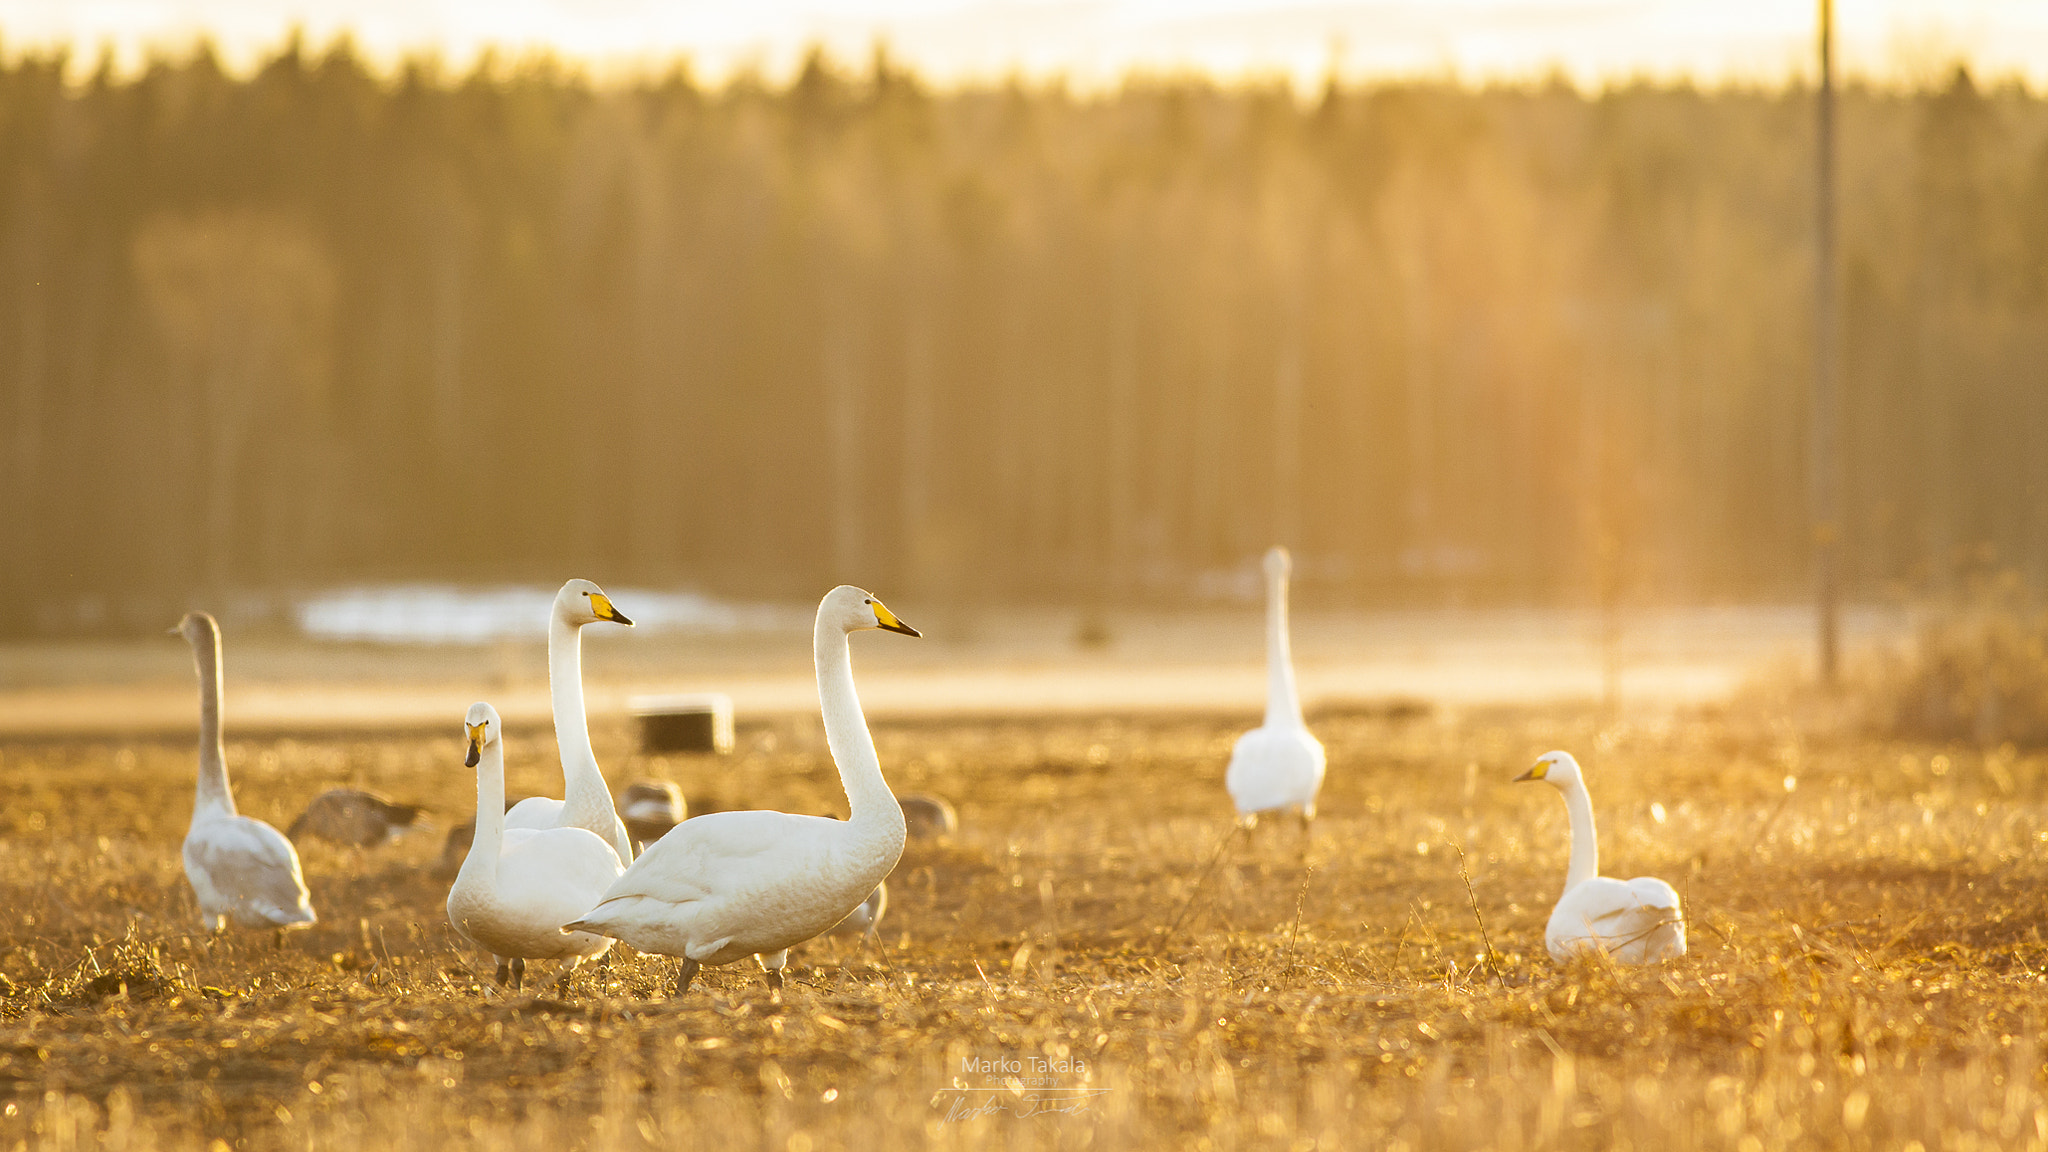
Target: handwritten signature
[1001,1102]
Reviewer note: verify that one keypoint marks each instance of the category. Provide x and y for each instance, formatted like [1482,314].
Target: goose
[728,885]
[1635,921]
[929,817]
[243,871]
[352,818]
[650,808]
[517,884]
[586,802]
[1278,766]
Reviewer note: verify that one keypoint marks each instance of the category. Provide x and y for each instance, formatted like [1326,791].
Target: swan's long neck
[1578,806]
[873,808]
[584,795]
[214,798]
[1283,704]
[481,865]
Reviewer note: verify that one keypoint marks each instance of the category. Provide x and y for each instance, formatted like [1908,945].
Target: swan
[650,808]
[242,870]
[728,885]
[516,885]
[1278,766]
[1635,921]
[352,818]
[586,802]
[929,817]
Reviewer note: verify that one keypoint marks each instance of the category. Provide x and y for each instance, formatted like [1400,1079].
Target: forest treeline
[1512,345]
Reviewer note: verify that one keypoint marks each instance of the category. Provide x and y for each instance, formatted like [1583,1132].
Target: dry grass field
[1868,968]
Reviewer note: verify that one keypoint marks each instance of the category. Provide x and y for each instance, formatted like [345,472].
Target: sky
[1093,43]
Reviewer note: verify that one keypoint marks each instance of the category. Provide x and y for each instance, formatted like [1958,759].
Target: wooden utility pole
[1827,386]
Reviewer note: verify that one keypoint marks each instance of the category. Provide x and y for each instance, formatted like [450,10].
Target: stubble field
[1867,967]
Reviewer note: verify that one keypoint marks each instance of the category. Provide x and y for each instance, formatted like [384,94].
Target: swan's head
[484,729]
[1556,768]
[580,602]
[854,610]
[1279,563]
[197,626]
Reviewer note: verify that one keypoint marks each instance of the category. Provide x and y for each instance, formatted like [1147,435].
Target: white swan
[518,885]
[1635,921]
[1278,766]
[586,801]
[242,870]
[728,885]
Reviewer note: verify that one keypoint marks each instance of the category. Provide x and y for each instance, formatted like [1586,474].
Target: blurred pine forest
[1511,345]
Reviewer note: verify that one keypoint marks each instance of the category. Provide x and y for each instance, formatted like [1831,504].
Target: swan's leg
[518,972]
[773,964]
[684,975]
[504,971]
[569,967]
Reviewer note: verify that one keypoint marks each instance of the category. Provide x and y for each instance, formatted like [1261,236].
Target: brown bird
[650,808]
[926,817]
[353,818]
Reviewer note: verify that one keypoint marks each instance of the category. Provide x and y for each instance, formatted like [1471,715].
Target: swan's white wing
[715,849]
[247,870]
[1636,922]
[535,812]
[1662,925]
[539,813]
[715,879]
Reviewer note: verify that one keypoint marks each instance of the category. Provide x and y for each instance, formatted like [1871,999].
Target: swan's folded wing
[710,850]
[1654,893]
[253,864]
[1650,907]
[535,812]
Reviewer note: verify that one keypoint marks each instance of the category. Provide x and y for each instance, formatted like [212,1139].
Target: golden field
[1867,967]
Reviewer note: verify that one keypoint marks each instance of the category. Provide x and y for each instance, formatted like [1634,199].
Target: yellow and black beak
[1541,770]
[889,623]
[476,745]
[601,607]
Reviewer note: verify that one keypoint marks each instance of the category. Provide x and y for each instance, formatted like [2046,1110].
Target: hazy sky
[1091,41]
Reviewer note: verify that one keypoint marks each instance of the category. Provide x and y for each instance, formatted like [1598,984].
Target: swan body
[586,802]
[727,885]
[243,871]
[352,818]
[1278,766]
[1635,921]
[518,885]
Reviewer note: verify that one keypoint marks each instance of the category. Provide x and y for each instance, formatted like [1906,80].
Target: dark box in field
[689,722]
